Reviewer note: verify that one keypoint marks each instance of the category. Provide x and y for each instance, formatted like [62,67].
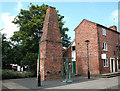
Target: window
[105,62]
[103,31]
[104,46]
[73,48]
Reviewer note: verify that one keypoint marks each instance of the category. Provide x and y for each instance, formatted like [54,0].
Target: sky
[104,13]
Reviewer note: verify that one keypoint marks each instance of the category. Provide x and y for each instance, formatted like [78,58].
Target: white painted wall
[73,52]
[18,68]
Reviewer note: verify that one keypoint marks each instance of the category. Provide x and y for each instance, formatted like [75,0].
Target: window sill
[106,66]
[104,35]
[105,50]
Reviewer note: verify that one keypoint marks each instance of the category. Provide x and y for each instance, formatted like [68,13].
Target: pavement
[78,83]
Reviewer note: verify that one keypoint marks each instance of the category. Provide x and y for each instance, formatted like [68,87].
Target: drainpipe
[99,49]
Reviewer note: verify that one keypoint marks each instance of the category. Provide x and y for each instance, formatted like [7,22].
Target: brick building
[103,54]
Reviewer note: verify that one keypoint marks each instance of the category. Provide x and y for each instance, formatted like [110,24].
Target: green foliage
[30,21]
[11,74]
[6,51]
[23,47]
[11,53]
[30,59]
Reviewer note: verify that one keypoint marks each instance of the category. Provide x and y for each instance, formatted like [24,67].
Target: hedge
[11,74]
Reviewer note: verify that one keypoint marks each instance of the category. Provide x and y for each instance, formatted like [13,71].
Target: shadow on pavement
[31,83]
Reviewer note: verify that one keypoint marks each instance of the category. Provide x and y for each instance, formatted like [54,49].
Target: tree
[29,21]
[6,51]
[11,54]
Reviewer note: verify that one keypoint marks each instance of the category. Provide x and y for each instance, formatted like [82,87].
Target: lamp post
[39,75]
[118,49]
[87,42]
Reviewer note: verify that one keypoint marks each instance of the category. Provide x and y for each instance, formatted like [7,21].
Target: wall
[86,30]
[50,47]
[67,52]
[111,39]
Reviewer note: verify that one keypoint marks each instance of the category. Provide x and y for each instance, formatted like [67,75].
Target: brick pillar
[50,47]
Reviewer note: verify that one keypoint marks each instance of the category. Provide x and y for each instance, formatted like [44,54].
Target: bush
[11,74]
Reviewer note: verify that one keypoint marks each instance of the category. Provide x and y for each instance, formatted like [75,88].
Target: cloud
[9,27]
[111,20]
[114,16]
[19,6]
[6,21]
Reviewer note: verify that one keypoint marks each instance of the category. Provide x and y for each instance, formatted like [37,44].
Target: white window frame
[103,32]
[118,64]
[104,46]
[105,62]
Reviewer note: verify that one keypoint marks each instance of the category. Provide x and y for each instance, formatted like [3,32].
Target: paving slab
[78,83]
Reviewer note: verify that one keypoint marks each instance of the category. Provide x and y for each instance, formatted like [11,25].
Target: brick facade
[91,31]
[67,52]
[86,31]
[50,47]
[111,39]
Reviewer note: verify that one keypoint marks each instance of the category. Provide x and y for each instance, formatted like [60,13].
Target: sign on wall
[103,56]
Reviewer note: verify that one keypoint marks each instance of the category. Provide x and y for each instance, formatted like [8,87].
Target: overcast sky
[104,13]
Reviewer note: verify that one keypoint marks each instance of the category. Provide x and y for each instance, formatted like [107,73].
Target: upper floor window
[105,46]
[103,32]
[105,62]
[73,48]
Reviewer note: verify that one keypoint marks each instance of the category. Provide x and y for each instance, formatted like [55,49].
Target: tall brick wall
[86,31]
[67,52]
[111,39]
[51,47]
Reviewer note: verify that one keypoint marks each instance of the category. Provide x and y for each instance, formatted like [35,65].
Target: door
[118,64]
[74,67]
[112,64]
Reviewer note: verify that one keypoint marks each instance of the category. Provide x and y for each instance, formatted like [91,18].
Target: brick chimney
[50,47]
[113,28]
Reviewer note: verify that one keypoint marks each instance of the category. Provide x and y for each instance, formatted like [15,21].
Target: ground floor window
[105,62]
[118,64]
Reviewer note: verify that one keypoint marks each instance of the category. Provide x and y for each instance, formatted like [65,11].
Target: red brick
[88,30]
[50,47]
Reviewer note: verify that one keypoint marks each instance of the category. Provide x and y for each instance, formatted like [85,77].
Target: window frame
[105,62]
[73,48]
[104,31]
[105,46]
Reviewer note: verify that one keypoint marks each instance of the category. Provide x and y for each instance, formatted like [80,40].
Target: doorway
[112,65]
[118,64]
[74,67]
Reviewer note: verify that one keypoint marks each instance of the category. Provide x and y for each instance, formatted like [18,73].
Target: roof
[69,45]
[97,25]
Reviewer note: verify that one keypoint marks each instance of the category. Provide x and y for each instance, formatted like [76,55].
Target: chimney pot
[113,28]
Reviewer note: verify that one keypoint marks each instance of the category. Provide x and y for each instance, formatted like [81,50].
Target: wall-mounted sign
[103,56]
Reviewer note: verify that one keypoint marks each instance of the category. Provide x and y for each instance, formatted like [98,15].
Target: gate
[66,69]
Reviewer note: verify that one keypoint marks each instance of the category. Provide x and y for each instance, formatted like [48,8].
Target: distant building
[103,54]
